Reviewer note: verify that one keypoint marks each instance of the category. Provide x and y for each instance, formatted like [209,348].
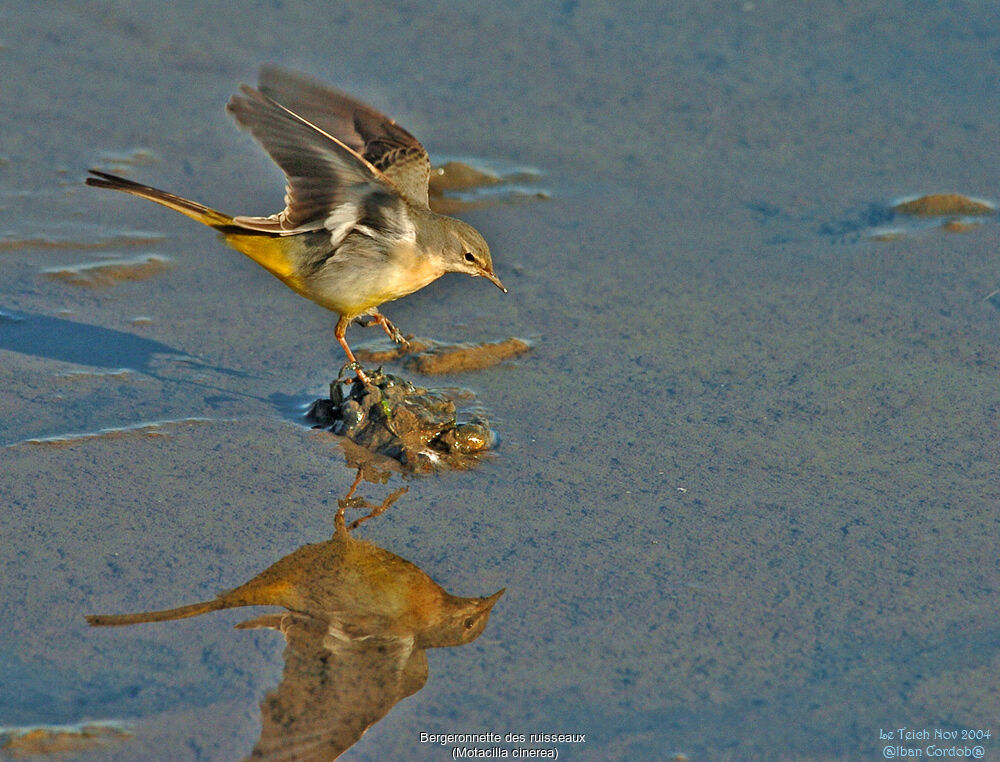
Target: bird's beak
[493,279]
[487,603]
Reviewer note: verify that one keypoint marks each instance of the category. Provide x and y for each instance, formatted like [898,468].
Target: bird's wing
[333,688]
[374,136]
[328,184]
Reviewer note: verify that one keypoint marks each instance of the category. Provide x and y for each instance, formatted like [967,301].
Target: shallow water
[744,503]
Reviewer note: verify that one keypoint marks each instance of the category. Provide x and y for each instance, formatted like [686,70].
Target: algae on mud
[415,426]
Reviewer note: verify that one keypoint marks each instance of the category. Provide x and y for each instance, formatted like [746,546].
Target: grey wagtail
[356,230]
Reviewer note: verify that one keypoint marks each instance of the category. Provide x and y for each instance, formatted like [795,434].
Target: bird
[356,230]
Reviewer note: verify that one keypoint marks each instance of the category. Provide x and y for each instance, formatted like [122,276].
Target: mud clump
[430,358]
[455,359]
[457,175]
[60,739]
[960,226]
[100,274]
[458,187]
[943,205]
[417,427]
[950,212]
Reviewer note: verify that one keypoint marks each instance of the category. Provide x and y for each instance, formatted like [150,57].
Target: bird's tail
[181,612]
[192,209]
[269,249]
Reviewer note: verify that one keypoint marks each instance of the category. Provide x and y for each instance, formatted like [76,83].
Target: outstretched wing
[329,185]
[374,136]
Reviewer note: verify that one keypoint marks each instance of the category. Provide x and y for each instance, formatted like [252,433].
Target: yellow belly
[350,283]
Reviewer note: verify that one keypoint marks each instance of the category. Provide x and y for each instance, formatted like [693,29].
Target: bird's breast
[354,279]
[411,269]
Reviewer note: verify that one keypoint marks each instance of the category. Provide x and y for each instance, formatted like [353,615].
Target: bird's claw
[387,325]
[359,372]
[395,334]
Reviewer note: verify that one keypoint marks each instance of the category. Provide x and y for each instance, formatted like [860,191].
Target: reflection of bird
[356,230]
[359,621]
[356,586]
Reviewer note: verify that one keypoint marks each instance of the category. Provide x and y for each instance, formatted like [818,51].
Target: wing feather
[322,173]
[372,135]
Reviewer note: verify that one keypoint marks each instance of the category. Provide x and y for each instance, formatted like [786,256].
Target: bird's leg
[379,509]
[349,501]
[339,332]
[342,504]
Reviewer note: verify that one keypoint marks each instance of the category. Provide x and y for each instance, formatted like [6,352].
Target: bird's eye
[469,620]
[469,257]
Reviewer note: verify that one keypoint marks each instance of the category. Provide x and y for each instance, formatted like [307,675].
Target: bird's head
[459,621]
[465,251]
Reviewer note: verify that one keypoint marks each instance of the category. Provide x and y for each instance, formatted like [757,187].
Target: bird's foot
[355,367]
[394,333]
[390,329]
